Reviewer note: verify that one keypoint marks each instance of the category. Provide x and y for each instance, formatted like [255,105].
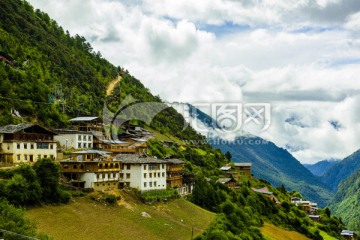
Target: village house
[142,173]
[91,169]
[315,218]
[347,234]
[268,194]
[243,168]
[230,182]
[309,207]
[118,146]
[174,176]
[87,124]
[230,172]
[72,139]
[26,143]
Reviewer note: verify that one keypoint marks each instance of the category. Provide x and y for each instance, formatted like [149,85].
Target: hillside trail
[111,86]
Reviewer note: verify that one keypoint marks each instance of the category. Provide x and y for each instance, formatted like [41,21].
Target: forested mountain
[320,167]
[346,203]
[341,170]
[55,76]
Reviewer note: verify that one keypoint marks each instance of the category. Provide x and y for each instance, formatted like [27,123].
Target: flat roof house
[26,143]
[72,139]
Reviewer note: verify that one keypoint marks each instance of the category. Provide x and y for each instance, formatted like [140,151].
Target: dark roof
[24,127]
[66,131]
[174,161]
[134,158]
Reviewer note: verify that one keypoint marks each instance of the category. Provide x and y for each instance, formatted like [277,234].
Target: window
[25,157]
[100,166]
[144,167]
[128,166]
[84,145]
[97,176]
[74,166]
[79,137]
[163,174]
[153,167]
[25,145]
[144,184]
[150,175]
[18,145]
[79,145]
[106,165]
[52,156]
[103,175]
[109,175]
[45,156]
[32,146]
[39,157]
[163,166]
[18,157]
[82,166]
[89,138]
[51,146]
[89,145]
[121,175]
[158,174]
[150,184]
[154,184]
[144,175]
[116,165]
[128,175]
[97,184]
[42,145]
[111,165]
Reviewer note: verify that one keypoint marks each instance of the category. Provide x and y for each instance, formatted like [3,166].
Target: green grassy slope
[86,219]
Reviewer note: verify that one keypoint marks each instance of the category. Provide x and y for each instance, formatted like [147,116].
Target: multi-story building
[243,168]
[26,143]
[174,173]
[72,139]
[142,173]
[91,169]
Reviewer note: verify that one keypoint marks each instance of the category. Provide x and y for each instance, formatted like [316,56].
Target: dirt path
[111,86]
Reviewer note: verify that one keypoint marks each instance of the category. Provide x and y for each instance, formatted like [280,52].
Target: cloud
[301,56]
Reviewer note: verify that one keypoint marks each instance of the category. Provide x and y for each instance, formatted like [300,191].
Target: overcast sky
[302,56]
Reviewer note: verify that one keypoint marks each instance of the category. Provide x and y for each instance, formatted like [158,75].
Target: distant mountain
[341,170]
[346,203]
[269,161]
[277,166]
[320,167]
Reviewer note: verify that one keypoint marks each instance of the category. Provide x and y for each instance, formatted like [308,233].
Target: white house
[142,173]
[26,143]
[72,139]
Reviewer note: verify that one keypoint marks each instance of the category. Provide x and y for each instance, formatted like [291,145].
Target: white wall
[137,177]
[73,140]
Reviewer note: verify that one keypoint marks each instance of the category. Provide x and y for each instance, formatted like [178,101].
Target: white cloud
[302,56]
